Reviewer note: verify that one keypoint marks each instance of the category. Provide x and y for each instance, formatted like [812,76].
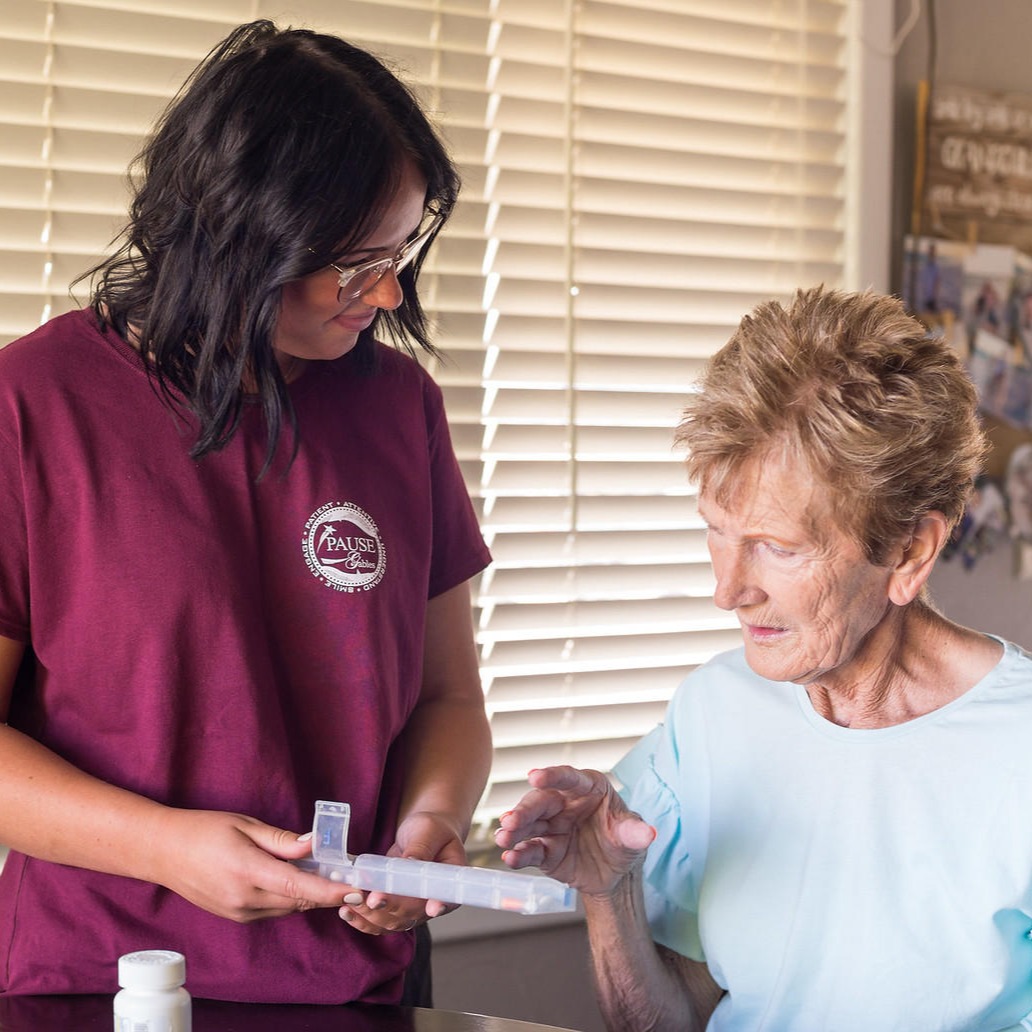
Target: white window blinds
[638,173]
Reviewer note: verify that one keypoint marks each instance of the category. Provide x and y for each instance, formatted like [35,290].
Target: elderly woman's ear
[916,557]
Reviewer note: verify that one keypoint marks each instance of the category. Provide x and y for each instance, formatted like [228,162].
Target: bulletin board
[967,274]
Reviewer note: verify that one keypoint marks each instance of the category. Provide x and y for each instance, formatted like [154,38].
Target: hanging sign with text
[978,175]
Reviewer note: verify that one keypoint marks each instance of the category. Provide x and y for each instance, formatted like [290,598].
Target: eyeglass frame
[403,257]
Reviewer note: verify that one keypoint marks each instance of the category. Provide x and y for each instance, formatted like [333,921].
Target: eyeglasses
[356,280]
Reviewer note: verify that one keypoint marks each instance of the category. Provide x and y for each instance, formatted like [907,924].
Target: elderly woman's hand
[574,826]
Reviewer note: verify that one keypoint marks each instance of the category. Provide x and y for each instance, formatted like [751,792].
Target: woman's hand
[238,867]
[574,826]
[447,744]
[229,864]
[421,836]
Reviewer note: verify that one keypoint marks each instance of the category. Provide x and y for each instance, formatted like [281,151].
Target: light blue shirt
[844,880]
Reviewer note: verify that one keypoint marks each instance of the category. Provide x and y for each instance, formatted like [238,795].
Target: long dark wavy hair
[282,150]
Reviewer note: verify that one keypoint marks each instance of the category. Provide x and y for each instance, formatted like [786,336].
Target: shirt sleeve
[649,774]
[459,551]
[14,560]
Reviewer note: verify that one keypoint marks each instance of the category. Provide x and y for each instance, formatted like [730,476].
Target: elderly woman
[832,829]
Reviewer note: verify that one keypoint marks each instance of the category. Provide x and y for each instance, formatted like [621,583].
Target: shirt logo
[342,547]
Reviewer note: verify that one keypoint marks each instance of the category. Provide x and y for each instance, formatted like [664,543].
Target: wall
[530,968]
[982,46]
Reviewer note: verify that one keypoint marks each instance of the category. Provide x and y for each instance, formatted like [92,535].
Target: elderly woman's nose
[731,569]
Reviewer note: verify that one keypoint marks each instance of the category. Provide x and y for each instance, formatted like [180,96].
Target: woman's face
[804,593]
[312,324]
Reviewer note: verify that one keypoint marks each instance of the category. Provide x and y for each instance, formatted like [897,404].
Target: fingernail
[354,899]
[346,914]
[305,837]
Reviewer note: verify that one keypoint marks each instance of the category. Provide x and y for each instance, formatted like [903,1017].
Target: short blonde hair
[882,414]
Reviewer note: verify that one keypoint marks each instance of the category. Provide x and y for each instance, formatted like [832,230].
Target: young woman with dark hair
[278,159]
[236,552]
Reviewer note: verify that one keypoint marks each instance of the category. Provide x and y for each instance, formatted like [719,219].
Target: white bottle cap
[152,969]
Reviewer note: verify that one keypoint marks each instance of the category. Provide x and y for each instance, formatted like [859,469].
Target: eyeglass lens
[360,279]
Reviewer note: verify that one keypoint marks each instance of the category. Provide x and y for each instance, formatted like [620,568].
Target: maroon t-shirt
[215,641]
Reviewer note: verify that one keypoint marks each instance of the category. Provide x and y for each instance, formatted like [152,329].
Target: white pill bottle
[152,998]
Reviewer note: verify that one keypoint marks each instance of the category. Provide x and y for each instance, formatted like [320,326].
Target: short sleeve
[648,774]
[459,551]
[14,560]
